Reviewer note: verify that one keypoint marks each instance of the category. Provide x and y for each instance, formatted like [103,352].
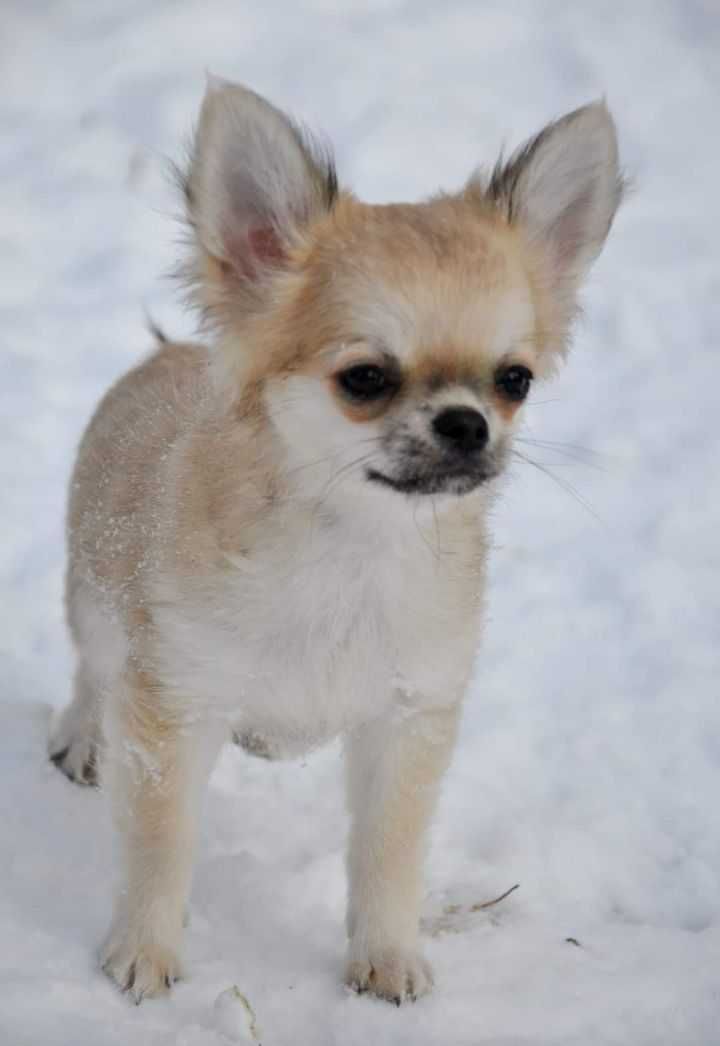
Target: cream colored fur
[231,565]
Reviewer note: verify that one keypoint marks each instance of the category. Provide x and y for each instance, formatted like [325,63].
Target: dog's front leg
[157,769]
[393,771]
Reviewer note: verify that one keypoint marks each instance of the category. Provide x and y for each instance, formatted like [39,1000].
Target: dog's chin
[435,482]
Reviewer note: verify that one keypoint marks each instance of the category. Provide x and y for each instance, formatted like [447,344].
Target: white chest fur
[322,626]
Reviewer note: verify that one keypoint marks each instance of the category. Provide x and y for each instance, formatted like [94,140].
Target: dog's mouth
[433,482]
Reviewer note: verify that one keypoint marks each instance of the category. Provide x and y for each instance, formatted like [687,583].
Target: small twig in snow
[497,900]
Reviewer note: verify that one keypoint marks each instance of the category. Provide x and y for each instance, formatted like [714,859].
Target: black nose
[463,427]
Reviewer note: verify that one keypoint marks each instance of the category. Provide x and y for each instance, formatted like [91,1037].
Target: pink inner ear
[265,245]
[248,254]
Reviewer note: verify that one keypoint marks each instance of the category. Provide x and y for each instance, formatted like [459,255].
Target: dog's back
[115,494]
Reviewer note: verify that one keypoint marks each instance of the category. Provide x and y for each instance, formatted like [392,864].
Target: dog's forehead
[439,318]
[434,284]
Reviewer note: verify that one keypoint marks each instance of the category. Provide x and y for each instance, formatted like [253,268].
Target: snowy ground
[590,760]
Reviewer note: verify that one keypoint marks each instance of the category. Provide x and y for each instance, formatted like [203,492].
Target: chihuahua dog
[283,534]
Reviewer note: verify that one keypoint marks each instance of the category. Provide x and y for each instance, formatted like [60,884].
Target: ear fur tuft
[563,187]
[255,181]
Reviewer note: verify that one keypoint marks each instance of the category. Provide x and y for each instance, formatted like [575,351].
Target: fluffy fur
[256,547]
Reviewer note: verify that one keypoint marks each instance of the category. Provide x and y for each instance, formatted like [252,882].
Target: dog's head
[392,346]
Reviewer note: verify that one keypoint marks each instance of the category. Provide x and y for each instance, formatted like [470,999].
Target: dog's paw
[391,974]
[142,971]
[74,745]
[76,757]
[254,744]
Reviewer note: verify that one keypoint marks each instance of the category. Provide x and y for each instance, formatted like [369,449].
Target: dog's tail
[156,330]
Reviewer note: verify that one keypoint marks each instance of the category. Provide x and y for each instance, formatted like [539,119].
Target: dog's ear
[256,179]
[563,187]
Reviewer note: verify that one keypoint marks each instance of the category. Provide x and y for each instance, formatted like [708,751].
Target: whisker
[568,465]
[435,551]
[559,443]
[343,473]
[582,455]
[564,485]
[328,457]
[435,520]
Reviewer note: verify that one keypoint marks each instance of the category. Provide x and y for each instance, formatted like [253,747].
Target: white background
[588,767]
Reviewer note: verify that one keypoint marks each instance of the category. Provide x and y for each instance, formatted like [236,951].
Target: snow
[588,766]
[234,1017]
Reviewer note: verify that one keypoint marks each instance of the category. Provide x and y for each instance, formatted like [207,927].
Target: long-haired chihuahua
[282,535]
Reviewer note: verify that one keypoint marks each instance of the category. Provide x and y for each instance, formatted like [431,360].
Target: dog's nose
[462,427]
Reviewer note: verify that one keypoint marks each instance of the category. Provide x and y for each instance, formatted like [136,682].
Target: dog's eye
[514,382]
[365,381]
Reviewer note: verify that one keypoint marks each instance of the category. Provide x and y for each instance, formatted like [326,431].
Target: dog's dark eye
[365,381]
[514,382]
